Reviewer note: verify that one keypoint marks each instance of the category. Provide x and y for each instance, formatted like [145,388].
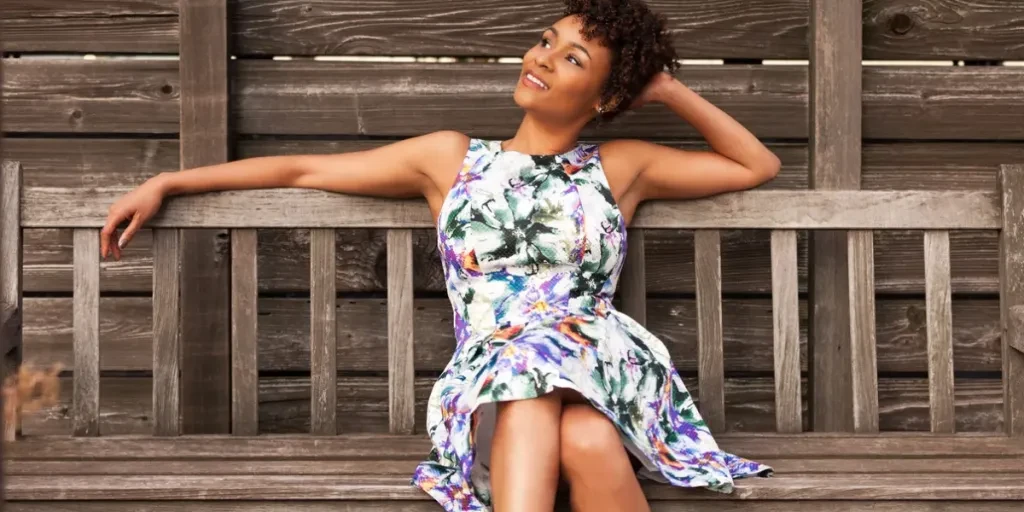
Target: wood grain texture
[166,333]
[859,505]
[863,352]
[323,339]
[786,332]
[751,209]
[711,368]
[934,486]
[205,268]
[10,257]
[284,264]
[245,333]
[1011,278]
[86,336]
[747,29]
[633,281]
[835,110]
[938,301]
[322,98]
[973,103]
[401,353]
[362,406]
[747,330]
[135,26]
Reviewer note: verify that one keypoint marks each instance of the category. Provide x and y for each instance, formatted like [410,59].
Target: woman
[548,383]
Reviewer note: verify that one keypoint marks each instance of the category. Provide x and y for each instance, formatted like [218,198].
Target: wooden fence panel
[362,405]
[745,29]
[396,99]
[100,26]
[747,331]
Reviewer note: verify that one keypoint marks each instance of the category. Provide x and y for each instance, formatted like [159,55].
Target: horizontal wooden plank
[298,466]
[132,26]
[283,330]
[379,446]
[233,487]
[429,506]
[753,209]
[284,264]
[89,96]
[405,99]
[749,29]
[362,406]
[401,99]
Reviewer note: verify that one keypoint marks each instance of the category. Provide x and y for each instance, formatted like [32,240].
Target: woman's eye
[574,60]
[543,41]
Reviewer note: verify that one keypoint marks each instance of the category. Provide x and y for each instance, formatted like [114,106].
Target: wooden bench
[863,470]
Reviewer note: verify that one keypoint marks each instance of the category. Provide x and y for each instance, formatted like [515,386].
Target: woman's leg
[524,454]
[596,465]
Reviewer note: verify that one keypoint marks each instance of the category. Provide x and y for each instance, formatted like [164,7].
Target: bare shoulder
[622,160]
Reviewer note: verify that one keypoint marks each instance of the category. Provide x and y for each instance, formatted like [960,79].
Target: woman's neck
[535,137]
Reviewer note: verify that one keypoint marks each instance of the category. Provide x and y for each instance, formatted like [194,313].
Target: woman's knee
[586,435]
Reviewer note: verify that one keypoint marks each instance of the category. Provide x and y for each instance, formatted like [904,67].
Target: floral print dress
[532,248]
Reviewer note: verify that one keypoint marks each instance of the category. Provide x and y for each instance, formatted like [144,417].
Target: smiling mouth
[531,80]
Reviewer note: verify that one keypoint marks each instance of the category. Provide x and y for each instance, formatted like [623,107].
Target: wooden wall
[116,120]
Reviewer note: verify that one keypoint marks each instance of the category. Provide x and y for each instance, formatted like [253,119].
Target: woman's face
[571,73]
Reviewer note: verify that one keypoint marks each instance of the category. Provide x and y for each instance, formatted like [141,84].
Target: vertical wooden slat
[401,397]
[634,278]
[939,317]
[10,285]
[710,364]
[85,409]
[863,355]
[205,266]
[786,320]
[244,347]
[166,336]
[323,339]
[835,161]
[1011,297]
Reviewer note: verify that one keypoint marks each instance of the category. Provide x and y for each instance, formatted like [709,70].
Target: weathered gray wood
[1011,310]
[136,26]
[711,368]
[406,99]
[10,257]
[973,103]
[857,505]
[938,300]
[786,323]
[244,333]
[836,41]
[323,336]
[755,209]
[401,353]
[634,277]
[396,487]
[166,334]
[362,405]
[205,269]
[86,406]
[863,353]
[773,29]
[747,329]
[745,261]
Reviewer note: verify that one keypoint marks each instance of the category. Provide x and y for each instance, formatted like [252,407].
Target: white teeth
[536,80]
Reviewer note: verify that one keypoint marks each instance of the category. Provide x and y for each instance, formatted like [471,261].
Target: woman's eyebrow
[574,44]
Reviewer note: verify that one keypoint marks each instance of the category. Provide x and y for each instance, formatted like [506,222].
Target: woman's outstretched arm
[407,168]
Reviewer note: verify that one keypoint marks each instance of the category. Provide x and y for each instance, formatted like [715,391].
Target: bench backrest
[936,213]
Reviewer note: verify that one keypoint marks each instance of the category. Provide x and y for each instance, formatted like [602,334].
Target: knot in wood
[901,23]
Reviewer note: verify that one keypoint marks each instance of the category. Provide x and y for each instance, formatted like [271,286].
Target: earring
[600,109]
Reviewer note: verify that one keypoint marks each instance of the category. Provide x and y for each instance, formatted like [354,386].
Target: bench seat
[897,472]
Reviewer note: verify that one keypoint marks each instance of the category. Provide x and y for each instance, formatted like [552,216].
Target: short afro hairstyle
[640,44]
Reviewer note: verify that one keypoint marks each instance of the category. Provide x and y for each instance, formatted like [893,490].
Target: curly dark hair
[640,44]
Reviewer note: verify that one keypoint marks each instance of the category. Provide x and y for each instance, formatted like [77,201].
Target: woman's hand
[653,90]
[137,206]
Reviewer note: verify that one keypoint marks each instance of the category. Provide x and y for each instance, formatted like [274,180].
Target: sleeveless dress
[532,247]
